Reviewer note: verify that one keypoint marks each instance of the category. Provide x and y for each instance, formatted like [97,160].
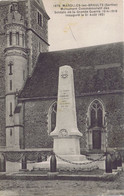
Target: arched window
[17,38]
[96,114]
[10,109]
[11,9]
[10,85]
[96,134]
[23,40]
[52,117]
[10,65]
[40,19]
[10,38]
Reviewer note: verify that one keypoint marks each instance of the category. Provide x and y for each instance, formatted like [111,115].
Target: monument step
[64,166]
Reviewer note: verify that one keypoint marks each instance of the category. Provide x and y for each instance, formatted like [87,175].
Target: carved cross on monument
[66,134]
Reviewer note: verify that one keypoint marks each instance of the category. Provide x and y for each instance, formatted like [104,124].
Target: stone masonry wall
[38,46]
[36,121]
[114,108]
[37,36]
[2,123]
[3,12]
[36,124]
[41,31]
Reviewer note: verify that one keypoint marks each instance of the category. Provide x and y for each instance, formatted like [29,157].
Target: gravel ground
[62,188]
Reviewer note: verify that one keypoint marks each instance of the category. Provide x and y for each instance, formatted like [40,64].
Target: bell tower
[23,36]
[16,58]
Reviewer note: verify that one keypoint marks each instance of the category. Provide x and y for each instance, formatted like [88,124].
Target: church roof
[96,69]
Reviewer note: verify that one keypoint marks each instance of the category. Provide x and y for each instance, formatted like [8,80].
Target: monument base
[69,146]
[68,163]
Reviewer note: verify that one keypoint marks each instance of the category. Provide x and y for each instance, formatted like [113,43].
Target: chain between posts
[74,163]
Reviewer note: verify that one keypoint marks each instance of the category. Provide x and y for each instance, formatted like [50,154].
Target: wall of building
[3,12]
[38,46]
[42,31]
[2,123]
[37,36]
[34,41]
[36,124]
[113,105]
[36,120]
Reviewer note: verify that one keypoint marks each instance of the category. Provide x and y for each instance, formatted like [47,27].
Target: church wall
[36,124]
[33,42]
[42,31]
[2,62]
[2,122]
[114,105]
[38,46]
[22,8]
[2,75]
[3,12]
[37,36]
[36,120]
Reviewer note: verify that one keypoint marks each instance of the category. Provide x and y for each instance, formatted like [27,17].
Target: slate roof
[44,80]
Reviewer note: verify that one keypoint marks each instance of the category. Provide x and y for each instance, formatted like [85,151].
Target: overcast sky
[74,32]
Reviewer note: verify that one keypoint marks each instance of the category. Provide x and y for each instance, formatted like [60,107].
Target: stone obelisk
[66,134]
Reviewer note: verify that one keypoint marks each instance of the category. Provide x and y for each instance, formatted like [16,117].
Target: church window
[23,40]
[96,114]
[40,19]
[17,38]
[23,74]
[10,109]
[10,68]
[10,85]
[11,9]
[10,38]
[52,117]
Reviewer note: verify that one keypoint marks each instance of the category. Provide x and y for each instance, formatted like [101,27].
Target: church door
[96,139]
[96,123]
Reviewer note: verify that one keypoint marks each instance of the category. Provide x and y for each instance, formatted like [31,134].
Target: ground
[62,188]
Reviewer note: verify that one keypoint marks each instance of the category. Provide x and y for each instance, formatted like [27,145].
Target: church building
[29,84]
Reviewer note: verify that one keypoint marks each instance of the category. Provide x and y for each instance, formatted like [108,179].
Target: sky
[66,32]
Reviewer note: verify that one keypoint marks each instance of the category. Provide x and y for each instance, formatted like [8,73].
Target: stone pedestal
[69,146]
[66,134]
